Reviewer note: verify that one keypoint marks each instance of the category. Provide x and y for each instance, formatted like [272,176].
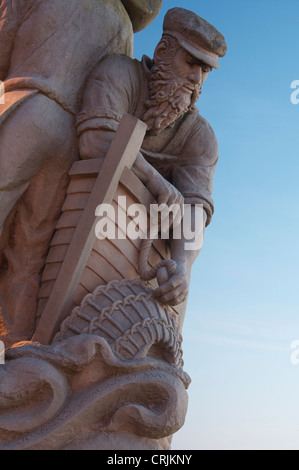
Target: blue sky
[243,311]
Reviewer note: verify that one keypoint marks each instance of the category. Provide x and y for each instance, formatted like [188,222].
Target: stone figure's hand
[172,290]
[165,193]
[160,188]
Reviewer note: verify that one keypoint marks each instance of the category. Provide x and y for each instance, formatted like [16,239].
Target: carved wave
[145,397]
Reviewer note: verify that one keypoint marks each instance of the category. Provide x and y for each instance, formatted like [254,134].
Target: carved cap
[196,35]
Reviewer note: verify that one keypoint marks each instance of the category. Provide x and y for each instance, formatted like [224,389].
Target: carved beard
[170,98]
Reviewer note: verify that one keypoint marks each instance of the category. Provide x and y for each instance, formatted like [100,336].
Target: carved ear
[161,50]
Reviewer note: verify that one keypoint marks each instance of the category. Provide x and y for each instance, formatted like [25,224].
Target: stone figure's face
[175,85]
[189,68]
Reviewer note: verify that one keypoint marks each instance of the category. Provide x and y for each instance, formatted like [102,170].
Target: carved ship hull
[110,259]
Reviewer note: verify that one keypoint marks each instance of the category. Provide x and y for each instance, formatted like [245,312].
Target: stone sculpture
[101,367]
[179,144]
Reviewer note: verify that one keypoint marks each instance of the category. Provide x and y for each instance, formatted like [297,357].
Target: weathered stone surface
[142,12]
[51,395]
[85,125]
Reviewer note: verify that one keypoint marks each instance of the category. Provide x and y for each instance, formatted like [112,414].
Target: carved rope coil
[132,322]
[148,275]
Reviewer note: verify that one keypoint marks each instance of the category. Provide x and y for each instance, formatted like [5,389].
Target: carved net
[133,323]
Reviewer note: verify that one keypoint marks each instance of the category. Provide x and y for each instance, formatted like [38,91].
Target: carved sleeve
[108,95]
[193,175]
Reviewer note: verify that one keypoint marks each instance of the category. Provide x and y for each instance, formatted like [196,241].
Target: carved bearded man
[180,146]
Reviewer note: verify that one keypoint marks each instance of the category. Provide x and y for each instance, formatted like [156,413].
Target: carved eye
[206,69]
[190,61]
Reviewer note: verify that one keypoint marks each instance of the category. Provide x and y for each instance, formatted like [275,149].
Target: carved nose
[196,76]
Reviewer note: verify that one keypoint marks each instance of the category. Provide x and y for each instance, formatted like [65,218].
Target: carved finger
[162,276]
[175,296]
[170,286]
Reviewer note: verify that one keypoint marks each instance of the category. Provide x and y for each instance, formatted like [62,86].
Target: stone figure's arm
[174,290]
[95,144]
[162,190]
[194,178]
[10,12]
